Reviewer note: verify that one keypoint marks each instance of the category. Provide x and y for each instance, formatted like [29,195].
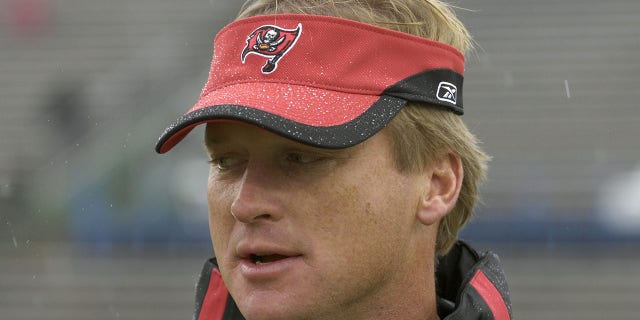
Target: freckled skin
[349,214]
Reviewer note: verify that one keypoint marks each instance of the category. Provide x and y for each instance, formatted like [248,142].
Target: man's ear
[442,188]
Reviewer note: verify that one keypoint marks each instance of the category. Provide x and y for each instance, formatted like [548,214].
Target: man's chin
[275,290]
[270,305]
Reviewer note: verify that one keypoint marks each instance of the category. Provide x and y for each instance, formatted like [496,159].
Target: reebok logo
[447,92]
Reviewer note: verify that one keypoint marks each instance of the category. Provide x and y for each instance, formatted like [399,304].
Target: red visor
[323,81]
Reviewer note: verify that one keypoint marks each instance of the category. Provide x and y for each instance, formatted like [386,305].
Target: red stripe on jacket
[490,295]
[215,300]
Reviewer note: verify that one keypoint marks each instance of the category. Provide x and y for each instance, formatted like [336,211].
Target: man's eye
[224,163]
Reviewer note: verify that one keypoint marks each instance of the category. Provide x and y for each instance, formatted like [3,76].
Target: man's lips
[263,251]
[262,257]
[266,261]
[268,258]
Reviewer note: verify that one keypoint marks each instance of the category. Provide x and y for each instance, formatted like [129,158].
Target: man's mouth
[260,259]
[266,264]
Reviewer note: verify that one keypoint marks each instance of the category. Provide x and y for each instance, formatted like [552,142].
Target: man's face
[302,232]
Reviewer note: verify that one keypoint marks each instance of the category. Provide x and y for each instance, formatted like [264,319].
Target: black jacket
[470,286]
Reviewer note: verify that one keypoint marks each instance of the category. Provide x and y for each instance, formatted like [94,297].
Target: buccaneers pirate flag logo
[271,42]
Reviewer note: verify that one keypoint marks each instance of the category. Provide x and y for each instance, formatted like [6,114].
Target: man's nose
[256,198]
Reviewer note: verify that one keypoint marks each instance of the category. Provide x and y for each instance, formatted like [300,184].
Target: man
[341,172]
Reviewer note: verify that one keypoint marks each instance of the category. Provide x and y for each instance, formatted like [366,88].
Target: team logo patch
[271,42]
[447,92]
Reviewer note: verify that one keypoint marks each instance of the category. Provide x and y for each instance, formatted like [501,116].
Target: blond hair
[420,132]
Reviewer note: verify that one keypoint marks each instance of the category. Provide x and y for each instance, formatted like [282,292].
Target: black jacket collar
[470,286]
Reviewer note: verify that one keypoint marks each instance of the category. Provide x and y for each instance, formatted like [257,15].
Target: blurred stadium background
[95,225]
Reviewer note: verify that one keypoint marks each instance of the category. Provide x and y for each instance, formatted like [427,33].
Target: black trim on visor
[441,87]
[333,137]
